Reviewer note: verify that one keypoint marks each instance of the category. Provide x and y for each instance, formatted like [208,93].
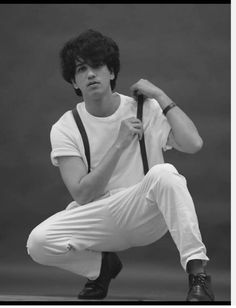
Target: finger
[135,93]
[135,120]
[137,131]
[134,89]
[137,125]
[132,119]
[140,134]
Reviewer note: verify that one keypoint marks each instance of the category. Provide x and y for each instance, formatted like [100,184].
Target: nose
[91,73]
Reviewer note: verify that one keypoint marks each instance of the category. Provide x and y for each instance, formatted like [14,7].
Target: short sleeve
[62,143]
[160,124]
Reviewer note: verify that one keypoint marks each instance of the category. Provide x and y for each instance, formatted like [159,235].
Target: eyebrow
[79,64]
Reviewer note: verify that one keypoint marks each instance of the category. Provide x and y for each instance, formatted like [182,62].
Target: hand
[129,129]
[146,88]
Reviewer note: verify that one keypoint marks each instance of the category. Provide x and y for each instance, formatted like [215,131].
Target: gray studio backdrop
[184,49]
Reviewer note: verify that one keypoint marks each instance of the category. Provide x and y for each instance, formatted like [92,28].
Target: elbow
[81,199]
[196,146]
[85,198]
[81,196]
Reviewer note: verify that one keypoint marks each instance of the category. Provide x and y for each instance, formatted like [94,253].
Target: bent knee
[35,245]
[166,174]
[162,169]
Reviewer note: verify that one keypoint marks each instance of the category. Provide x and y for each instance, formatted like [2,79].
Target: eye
[81,69]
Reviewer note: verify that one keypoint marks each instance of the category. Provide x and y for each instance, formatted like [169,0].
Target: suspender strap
[83,135]
[86,142]
[142,141]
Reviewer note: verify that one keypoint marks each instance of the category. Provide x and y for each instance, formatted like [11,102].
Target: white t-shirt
[102,133]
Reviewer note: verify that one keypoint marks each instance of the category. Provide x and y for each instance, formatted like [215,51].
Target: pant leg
[73,239]
[137,216]
[161,202]
[166,188]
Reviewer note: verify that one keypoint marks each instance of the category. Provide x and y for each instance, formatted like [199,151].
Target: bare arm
[85,187]
[184,135]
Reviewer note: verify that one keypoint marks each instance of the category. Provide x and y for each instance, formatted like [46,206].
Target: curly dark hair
[95,49]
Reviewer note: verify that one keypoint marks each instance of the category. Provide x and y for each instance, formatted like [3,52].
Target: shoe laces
[199,279]
[90,283]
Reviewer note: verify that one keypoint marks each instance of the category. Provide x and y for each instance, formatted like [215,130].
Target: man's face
[92,81]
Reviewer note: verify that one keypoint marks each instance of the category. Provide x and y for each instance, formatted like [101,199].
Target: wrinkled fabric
[74,238]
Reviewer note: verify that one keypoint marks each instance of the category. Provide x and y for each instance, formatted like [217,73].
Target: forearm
[184,131]
[93,184]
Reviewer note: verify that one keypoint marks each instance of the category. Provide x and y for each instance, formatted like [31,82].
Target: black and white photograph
[115,153]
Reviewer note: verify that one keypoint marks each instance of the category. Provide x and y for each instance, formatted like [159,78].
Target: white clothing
[139,215]
[102,133]
[136,210]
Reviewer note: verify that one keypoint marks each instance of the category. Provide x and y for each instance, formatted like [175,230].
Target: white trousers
[74,238]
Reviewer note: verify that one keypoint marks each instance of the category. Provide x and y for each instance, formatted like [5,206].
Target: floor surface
[137,282]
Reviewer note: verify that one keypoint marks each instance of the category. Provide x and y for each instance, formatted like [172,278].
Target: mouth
[92,83]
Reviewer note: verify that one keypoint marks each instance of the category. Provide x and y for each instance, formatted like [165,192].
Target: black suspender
[142,141]
[83,135]
[86,142]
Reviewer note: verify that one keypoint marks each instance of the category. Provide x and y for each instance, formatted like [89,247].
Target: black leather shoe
[200,288]
[110,268]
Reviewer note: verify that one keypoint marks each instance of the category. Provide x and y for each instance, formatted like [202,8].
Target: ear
[74,84]
[112,76]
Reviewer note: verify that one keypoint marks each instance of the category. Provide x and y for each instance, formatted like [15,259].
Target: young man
[115,205]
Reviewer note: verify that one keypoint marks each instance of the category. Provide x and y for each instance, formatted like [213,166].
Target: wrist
[158,94]
[169,107]
[163,100]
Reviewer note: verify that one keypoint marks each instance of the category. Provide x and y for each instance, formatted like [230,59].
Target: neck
[102,106]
